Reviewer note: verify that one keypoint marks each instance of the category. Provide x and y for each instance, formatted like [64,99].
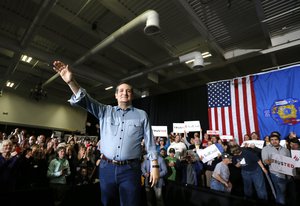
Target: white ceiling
[243,36]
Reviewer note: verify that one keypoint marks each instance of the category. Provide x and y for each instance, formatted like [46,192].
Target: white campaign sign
[282,164]
[226,137]
[160,131]
[296,156]
[208,153]
[192,126]
[258,143]
[213,132]
[178,127]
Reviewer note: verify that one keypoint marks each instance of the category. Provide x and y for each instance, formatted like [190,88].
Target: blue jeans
[216,185]
[257,178]
[120,185]
[280,188]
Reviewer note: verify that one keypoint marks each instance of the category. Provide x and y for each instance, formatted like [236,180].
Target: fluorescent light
[29,59]
[26,58]
[10,84]
[108,88]
[207,55]
[190,61]
[204,55]
[144,95]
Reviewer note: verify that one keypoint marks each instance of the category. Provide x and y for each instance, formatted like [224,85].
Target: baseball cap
[172,150]
[226,155]
[275,134]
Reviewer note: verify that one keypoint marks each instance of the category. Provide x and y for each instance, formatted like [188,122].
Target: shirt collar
[129,108]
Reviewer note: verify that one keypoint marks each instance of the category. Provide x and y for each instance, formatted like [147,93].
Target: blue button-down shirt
[121,131]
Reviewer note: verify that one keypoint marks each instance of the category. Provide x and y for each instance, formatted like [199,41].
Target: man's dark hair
[117,87]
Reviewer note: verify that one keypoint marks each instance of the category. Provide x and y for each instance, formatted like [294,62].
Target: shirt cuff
[78,96]
[152,156]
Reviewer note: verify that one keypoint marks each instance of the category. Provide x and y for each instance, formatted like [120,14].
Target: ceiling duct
[150,17]
[195,57]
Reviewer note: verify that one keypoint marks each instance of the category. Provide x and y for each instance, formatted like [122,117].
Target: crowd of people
[29,162]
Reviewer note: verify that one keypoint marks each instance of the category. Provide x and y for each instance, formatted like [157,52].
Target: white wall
[15,109]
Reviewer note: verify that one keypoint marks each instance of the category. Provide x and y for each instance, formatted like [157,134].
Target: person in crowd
[179,146]
[252,170]
[215,140]
[209,167]
[292,135]
[173,165]
[254,136]
[82,160]
[83,177]
[220,177]
[266,140]
[163,152]
[279,180]
[122,129]
[247,137]
[191,168]
[205,139]
[25,178]
[32,140]
[58,170]
[146,170]
[39,170]
[8,167]
[294,144]
[162,143]
[194,142]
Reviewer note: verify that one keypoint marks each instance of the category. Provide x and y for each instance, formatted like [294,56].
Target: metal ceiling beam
[49,58]
[150,18]
[86,28]
[45,8]
[199,25]
[118,9]
[61,40]
[237,59]
[263,24]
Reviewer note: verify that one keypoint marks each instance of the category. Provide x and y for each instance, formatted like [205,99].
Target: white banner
[258,143]
[282,164]
[296,156]
[192,126]
[208,153]
[226,137]
[213,132]
[160,131]
[178,127]
[283,143]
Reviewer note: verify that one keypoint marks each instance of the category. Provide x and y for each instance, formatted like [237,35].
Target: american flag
[232,107]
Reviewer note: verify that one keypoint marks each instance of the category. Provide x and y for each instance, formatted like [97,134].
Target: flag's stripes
[239,116]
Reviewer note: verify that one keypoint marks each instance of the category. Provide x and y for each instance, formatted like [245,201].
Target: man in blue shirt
[123,128]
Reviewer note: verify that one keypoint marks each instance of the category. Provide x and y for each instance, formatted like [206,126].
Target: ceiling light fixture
[144,94]
[26,58]
[108,88]
[10,84]
[195,58]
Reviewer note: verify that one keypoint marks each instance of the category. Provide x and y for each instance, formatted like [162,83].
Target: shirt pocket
[134,128]
[112,127]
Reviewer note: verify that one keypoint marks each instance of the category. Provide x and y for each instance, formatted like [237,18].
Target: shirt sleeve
[75,98]
[149,140]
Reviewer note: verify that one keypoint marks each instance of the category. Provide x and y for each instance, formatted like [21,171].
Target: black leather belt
[116,162]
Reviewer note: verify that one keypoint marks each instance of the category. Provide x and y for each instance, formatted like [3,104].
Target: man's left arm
[151,150]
